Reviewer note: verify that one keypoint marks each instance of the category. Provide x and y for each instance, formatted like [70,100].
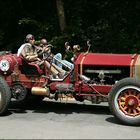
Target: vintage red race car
[97,77]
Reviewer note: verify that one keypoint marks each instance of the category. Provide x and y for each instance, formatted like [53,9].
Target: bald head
[43,41]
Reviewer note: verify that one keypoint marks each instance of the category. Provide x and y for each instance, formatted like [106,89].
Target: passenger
[68,52]
[57,58]
[76,49]
[30,53]
[43,46]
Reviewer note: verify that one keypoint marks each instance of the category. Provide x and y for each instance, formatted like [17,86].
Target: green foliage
[58,44]
[112,26]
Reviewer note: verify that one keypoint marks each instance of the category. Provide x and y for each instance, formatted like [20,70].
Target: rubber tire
[114,108]
[5,96]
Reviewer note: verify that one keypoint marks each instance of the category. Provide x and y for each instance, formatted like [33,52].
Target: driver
[30,53]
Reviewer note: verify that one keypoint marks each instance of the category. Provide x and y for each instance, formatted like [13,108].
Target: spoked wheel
[129,101]
[5,96]
[124,101]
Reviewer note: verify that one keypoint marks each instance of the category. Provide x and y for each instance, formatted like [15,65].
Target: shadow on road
[57,107]
[62,108]
[113,120]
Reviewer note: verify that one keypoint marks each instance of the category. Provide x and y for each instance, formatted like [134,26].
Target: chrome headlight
[4,65]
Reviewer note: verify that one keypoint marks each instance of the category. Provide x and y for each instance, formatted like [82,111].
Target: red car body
[97,77]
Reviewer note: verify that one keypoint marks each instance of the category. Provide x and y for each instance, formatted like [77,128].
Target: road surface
[55,120]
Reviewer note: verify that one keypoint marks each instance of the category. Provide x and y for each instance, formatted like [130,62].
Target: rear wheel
[5,96]
[124,101]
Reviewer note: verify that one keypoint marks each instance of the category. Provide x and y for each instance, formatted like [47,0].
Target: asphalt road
[55,120]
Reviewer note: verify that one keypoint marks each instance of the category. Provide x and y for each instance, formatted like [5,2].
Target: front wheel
[5,96]
[124,101]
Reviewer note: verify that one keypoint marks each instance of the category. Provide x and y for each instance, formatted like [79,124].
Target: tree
[61,15]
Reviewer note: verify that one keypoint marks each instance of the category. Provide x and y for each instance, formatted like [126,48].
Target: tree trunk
[20,4]
[61,14]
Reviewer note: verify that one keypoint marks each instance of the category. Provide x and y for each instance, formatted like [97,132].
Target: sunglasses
[31,39]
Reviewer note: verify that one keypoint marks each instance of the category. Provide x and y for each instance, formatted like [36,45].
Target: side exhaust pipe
[40,91]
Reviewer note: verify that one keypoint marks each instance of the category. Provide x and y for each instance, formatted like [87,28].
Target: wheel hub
[131,102]
[18,91]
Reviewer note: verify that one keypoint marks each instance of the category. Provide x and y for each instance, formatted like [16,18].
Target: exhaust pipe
[40,91]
